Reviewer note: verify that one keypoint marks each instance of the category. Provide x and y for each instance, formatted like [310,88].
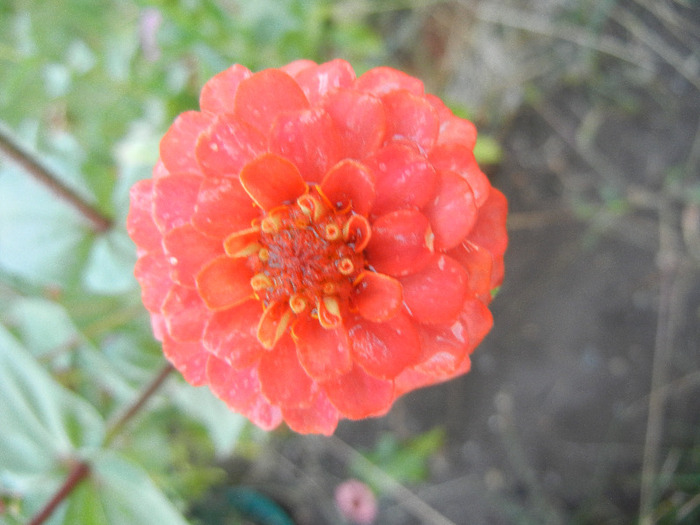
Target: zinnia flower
[313,245]
[356,502]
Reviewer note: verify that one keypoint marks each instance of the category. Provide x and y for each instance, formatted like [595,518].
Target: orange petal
[139,221]
[177,147]
[152,271]
[232,335]
[242,243]
[224,282]
[360,120]
[297,66]
[358,395]
[188,251]
[271,181]
[403,178]
[378,297]
[185,314]
[452,212]
[490,228]
[273,324]
[349,184]
[460,159]
[189,358]
[317,81]
[436,292]
[478,262]
[238,388]
[400,243]
[452,128]
[329,315]
[384,349]
[309,139]
[382,80]
[411,116]
[357,232]
[223,207]
[283,381]
[323,353]
[266,94]
[218,93]
[174,197]
[224,148]
[320,417]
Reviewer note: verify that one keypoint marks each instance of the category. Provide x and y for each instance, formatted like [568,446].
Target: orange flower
[313,245]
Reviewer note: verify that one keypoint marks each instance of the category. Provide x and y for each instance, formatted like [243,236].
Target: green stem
[81,470]
[100,223]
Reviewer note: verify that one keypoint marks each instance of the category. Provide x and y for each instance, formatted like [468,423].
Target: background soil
[581,406]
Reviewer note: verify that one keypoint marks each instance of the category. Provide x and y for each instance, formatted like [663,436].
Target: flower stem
[10,148]
[81,470]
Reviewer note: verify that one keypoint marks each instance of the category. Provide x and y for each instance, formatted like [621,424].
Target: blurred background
[582,404]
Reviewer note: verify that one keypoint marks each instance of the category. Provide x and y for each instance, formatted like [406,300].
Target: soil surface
[581,406]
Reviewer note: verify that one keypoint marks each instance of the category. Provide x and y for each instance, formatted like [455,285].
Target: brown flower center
[310,255]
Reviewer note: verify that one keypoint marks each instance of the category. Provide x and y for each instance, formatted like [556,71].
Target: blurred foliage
[88,87]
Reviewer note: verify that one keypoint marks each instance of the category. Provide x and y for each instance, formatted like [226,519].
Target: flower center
[309,257]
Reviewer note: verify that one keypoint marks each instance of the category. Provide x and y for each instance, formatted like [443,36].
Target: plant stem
[82,469]
[100,223]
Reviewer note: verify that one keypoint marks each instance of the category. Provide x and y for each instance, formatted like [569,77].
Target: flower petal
[349,184]
[452,212]
[225,147]
[309,139]
[273,324]
[174,197]
[271,181]
[323,353]
[403,178]
[385,349]
[177,147]
[358,395]
[297,66]
[401,243]
[478,262]
[436,292]
[490,229]
[378,297]
[187,250]
[282,379]
[231,334]
[139,221]
[414,378]
[264,95]
[452,128]
[382,80]
[152,273]
[320,417]
[224,282]
[238,388]
[460,159]
[411,116]
[223,207]
[185,314]
[218,93]
[189,358]
[360,120]
[317,81]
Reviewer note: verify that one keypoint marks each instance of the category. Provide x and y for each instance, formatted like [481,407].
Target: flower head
[313,245]
[356,502]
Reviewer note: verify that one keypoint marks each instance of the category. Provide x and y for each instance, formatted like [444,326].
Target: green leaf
[48,423]
[41,238]
[223,426]
[128,495]
[110,264]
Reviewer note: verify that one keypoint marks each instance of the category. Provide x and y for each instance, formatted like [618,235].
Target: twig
[670,285]
[415,505]
[79,472]
[122,420]
[82,469]
[8,146]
